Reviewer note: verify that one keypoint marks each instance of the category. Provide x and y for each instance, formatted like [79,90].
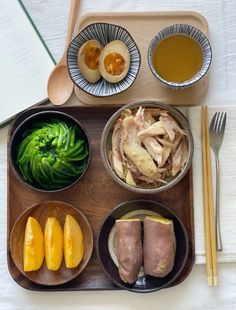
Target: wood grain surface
[143,26]
[95,194]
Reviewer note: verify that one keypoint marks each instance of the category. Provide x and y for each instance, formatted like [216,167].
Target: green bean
[51,154]
[75,148]
[78,157]
[72,137]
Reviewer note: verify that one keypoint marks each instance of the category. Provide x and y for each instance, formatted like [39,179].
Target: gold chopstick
[209,224]
[210,203]
[209,271]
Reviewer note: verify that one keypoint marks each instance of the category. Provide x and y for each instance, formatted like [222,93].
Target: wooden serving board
[143,26]
[95,195]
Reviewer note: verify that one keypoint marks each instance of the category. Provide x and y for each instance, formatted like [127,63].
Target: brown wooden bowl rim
[25,274]
[152,103]
[122,205]
[13,133]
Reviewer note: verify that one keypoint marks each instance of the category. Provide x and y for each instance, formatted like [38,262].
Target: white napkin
[227,183]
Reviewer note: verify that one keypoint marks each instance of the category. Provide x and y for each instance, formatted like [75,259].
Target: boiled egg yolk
[91,56]
[114,64]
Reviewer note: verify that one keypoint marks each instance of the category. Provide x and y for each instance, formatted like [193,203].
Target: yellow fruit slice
[73,242]
[53,241]
[33,245]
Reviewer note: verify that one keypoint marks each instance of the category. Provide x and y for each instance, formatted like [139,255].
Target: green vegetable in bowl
[52,155]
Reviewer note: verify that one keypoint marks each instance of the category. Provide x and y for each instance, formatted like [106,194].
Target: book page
[24,62]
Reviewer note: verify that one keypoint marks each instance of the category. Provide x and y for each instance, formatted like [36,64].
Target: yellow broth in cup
[177,58]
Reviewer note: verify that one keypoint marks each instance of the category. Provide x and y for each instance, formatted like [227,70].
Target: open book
[25,61]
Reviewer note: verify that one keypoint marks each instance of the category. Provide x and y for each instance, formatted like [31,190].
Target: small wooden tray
[95,195]
[143,26]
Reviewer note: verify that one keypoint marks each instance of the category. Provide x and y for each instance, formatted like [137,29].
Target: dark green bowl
[28,123]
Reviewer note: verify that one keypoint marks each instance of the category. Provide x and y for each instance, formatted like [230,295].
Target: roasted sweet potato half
[129,249]
[159,246]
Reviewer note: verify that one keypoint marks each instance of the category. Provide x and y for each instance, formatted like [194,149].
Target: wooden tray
[95,195]
[143,27]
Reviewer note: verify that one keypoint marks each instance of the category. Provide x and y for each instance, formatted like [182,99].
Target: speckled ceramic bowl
[195,34]
[104,33]
[107,136]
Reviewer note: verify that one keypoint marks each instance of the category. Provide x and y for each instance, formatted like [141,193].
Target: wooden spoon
[60,86]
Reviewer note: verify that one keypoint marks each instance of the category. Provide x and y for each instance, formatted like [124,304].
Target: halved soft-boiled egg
[88,60]
[114,61]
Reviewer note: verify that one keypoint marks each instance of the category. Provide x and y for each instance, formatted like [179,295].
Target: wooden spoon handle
[74,6]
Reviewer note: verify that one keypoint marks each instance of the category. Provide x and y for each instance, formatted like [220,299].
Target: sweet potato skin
[128,249]
[159,247]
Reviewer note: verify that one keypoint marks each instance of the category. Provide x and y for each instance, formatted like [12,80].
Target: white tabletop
[50,17]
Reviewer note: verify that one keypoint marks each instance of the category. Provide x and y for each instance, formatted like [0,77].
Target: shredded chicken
[166,154]
[180,157]
[154,149]
[135,152]
[148,147]
[143,123]
[165,123]
[178,138]
[154,111]
[129,178]
[154,130]
[149,118]
[116,155]
[165,142]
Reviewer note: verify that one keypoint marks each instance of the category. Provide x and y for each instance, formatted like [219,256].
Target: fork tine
[213,122]
[222,119]
[223,123]
[216,121]
[220,122]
